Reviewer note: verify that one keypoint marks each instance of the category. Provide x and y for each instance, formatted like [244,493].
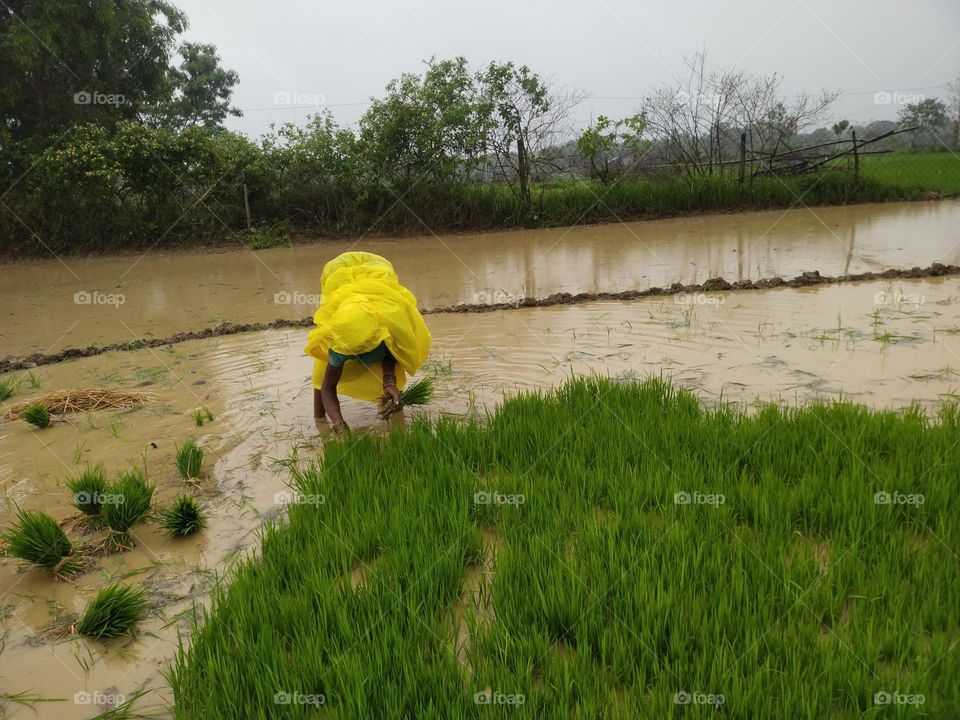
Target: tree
[75,61]
[694,119]
[840,128]
[200,88]
[431,126]
[606,141]
[526,116]
[308,173]
[929,116]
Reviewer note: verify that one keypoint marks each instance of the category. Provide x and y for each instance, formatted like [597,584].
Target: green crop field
[939,171]
[604,550]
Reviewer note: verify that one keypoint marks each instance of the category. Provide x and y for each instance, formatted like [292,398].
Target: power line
[319,106]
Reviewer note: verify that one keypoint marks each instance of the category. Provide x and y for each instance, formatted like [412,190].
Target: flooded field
[881,344]
[75,302]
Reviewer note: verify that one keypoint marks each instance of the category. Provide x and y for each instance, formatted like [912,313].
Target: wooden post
[743,156]
[246,200]
[856,155]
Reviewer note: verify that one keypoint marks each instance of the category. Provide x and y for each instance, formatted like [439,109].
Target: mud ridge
[718,285]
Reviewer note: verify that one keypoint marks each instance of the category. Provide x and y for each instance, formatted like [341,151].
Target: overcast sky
[341,52]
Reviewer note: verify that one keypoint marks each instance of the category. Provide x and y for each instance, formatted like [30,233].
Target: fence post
[246,199]
[856,155]
[743,156]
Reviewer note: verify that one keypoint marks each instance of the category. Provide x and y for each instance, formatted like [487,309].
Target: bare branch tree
[689,119]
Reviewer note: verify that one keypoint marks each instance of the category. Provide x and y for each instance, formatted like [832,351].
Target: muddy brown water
[75,302]
[879,343]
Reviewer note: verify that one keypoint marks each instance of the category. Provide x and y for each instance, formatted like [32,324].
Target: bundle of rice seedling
[184,517]
[89,490]
[189,460]
[38,539]
[62,402]
[114,611]
[37,414]
[126,502]
[418,393]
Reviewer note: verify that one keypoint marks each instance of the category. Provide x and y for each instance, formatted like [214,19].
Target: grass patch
[37,538]
[189,460]
[114,611]
[184,517]
[261,238]
[127,502]
[37,415]
[645,549]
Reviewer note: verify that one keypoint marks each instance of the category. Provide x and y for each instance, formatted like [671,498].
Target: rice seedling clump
[650,558]
[37,538]
[89,490]
[189,460]
[114,611]
[127,501]
[37,415]
[184,517]
[202,416]
[8,384]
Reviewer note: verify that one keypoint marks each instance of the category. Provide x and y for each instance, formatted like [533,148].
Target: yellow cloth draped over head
[362,305]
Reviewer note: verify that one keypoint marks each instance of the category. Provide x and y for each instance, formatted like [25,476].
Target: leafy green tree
[201,89]
[606,141]
[428,127]
[929,116]
[840,128]
[307,174]
[76,61]
[526,117]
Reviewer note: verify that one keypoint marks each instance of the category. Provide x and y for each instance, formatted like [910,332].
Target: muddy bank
[713,285]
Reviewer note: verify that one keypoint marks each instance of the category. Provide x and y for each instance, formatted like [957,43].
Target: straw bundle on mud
[62,402]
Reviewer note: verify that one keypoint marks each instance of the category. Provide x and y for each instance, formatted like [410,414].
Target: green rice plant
[126,502]
[8,385]
[418,393]
[114,611]
[189,460]
[202,416]
[33,380]
[37,414]
[640,547]
[184,517]
[37,538]
[89,490]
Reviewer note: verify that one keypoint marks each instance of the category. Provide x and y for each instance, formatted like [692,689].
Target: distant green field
[939,171]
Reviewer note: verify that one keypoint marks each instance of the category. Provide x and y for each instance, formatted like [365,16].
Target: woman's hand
[391,391]
[390,401]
